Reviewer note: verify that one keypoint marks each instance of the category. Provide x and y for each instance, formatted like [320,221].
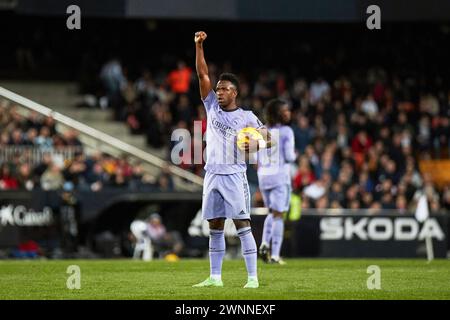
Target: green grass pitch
[299,279]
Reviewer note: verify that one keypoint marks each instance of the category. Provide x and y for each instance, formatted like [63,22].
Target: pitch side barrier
[360,233]
[366,233]
[41,215]
[318,233]
[92,204]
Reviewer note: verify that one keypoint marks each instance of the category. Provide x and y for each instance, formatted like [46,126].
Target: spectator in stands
[17,137]
[96,177]
[179,80]
[24,177]
[118,179]
[7,181]
[446,198]
[58,141]
[52,178]
[140,180]
[76,169]
[113,79]
[4,139]
[183,110]
[31,137]
[303,133]
[34,120]
[41,167]
[50,123]
[441,135]
[321,203]
[424,133]
[360,147]
[146,88]
[165,180]
[318,89]
[44,140]
[401,204]
[369,106]
[304,175]
[159,124]
[71,138]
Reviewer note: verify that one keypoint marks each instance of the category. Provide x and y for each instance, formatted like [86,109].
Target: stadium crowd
[358,146]
[360,129]
[33,155]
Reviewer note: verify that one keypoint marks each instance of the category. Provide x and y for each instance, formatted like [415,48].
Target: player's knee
[277,214]
[216,224]
[241,224]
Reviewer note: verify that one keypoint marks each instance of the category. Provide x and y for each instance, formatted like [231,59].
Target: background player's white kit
[275,180]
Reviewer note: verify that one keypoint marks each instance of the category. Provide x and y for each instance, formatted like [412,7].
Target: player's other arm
[201,66]
[266,141]
[289,146]
[267,138]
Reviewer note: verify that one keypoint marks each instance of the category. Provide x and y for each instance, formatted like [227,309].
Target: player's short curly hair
[272,111]
[230,77]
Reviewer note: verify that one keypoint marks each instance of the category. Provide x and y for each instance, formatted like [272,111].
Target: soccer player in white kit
[225,190]
[274,178]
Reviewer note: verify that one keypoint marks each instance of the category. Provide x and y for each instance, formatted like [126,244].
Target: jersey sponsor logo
[379,229]
[242,212]
[224,129]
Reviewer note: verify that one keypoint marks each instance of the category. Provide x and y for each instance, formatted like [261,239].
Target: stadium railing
[35,155]
[100,141]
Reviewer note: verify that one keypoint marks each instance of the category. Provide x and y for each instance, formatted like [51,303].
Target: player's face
[226,93]
[285,113]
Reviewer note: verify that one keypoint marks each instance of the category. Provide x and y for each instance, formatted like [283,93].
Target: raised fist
[200,36]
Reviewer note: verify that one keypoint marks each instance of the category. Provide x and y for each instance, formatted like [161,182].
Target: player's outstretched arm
[200,64]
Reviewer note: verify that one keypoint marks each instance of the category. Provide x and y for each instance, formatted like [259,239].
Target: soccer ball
[246,135]
[171,257]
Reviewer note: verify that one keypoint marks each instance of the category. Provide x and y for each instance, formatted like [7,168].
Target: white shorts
[277,198]
[226,196]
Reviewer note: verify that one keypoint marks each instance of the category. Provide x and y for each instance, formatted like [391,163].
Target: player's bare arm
[267,137]
[267,143]
[200,64]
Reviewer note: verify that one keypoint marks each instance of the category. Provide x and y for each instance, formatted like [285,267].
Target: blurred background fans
[86,118]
